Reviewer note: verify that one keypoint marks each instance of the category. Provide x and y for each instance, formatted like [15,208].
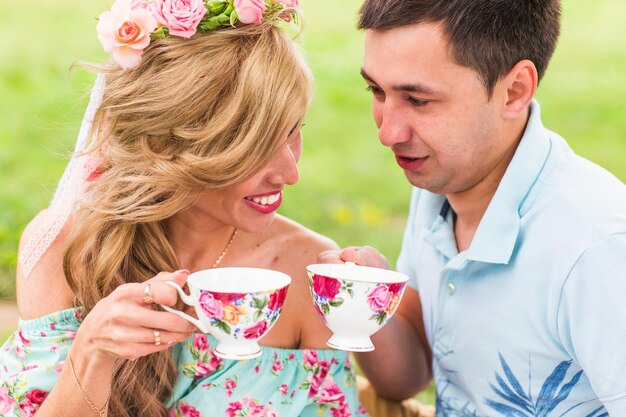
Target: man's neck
[469,206]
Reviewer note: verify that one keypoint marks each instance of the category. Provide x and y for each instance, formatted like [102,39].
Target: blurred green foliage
[350,189]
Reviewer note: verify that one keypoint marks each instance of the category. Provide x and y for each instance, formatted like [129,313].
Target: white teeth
[265,200]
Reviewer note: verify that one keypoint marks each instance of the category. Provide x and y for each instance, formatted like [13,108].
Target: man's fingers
[329,257]
[360,255]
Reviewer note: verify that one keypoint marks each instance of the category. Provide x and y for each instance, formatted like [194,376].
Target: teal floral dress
[281,382]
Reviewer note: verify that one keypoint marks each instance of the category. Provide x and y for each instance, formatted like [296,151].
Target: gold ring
[157,337]
[147,295]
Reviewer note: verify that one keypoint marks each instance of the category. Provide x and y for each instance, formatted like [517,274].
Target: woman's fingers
[159,320]
[155,336]
[153,291]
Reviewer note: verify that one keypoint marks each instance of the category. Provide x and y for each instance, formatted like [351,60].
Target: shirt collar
[496,236]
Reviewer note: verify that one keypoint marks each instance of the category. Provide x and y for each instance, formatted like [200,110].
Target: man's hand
[360,255]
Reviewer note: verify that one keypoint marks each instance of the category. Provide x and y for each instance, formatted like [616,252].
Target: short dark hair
[489,36]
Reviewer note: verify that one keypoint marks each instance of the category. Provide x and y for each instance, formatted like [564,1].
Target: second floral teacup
[355,301]
[236,305]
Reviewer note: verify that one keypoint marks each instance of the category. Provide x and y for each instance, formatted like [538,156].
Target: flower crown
[131,25]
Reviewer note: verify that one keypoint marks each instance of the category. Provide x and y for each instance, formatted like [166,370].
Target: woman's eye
[373,90]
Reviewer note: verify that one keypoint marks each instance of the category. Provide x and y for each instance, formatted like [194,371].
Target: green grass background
[350,188]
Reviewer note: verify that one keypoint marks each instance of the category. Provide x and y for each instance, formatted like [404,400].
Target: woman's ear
[520,85]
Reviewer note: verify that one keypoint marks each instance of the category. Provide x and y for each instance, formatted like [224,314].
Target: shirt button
[450,288]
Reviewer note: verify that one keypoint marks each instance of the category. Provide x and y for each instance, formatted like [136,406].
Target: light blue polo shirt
[531,319]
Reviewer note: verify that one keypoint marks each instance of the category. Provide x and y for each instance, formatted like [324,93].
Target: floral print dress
[281,382]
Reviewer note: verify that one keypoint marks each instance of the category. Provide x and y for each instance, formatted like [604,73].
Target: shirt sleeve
[31,360]
[405,262]
[591,318]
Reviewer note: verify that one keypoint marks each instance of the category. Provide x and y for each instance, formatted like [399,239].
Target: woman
[196,137]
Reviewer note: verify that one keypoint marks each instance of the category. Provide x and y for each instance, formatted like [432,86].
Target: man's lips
[410,164]
[265,203]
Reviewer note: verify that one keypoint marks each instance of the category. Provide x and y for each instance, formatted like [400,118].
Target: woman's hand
[360,255]
[124,324]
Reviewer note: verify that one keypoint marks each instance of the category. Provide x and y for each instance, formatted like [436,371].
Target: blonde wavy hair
[207,112]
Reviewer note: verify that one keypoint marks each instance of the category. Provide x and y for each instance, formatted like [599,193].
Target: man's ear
[519,87]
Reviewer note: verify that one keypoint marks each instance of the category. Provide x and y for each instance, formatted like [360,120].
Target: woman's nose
[284,167]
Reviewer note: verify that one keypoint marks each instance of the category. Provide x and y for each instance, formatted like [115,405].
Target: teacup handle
[187,300]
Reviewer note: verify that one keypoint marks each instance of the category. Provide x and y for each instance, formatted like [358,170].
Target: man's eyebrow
[412,88]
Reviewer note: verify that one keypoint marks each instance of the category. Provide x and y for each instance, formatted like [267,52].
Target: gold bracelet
[101,413]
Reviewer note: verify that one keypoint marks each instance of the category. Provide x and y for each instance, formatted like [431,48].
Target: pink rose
[200,342]
[284,389]
[326,287]
[230,384]
[27,408]
[324,368]
[396,288]
[227,297]
[277,366]
[250,11]
[379,298]
[210,306]
[310,357]
[277,298]
[6,401]
[188,410]
[24,341]
[341,411]
[331,393]
[233,409]
[37,396]
[205,368]
[180,17]
[125,32]
[255,331]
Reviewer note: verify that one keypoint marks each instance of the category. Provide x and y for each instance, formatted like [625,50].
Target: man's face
[434,114]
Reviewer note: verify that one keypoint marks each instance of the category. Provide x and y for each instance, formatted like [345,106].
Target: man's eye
[416,102]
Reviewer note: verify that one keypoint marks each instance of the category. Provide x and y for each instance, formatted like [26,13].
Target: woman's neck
[197,241]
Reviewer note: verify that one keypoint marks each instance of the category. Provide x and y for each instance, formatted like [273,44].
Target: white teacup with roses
[238,306]
[355,301]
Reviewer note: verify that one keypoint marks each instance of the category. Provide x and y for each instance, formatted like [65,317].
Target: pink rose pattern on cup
[382,299]
[246,316]
[326,292]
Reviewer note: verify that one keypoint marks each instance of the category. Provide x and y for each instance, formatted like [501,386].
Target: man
[515,247]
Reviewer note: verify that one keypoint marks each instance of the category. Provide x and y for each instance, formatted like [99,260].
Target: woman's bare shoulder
[298,240]
[45,290]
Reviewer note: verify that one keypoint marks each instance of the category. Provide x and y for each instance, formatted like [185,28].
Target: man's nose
[394,125]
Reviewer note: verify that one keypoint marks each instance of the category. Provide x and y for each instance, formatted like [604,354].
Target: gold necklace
[219,258]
